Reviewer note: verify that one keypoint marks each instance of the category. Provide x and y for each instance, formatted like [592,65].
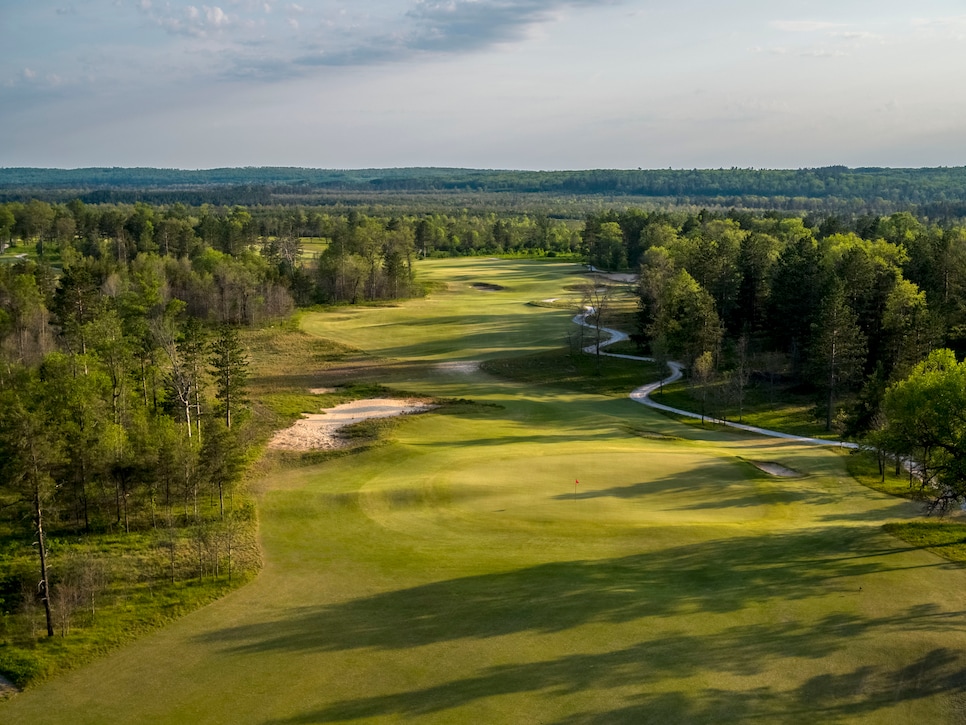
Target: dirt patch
[320,430]
[487,287]
[776,469]
[7,688]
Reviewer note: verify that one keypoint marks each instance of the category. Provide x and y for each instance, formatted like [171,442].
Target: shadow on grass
[744,650]
[718,576]
[712,479]
[827,698]
[824,698]
[475,332]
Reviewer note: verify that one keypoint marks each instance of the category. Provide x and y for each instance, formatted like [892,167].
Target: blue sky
[527,84]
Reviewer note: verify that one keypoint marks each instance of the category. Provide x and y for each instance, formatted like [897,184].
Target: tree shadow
[740,650]
[713,476]
[826,698]
[719,576]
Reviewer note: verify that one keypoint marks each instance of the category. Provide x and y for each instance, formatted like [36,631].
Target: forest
[123,367]
[933,192]
[851,314]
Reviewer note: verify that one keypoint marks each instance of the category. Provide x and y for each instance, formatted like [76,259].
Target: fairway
[459,574]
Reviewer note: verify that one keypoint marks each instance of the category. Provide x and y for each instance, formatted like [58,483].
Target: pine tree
[229,367]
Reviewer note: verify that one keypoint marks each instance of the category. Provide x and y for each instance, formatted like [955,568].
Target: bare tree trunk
[42,548]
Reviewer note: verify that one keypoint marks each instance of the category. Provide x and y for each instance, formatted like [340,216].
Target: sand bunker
[459,367]
[323,391]
[320,430]
[486,287]
[621,277]
[775,469]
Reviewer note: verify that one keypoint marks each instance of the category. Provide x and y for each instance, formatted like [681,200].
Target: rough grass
[565,368]
[945,538]
[865,470]
[139,581]
[779,409]
[459,574]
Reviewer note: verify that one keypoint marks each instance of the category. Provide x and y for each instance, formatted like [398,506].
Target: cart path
[642,394]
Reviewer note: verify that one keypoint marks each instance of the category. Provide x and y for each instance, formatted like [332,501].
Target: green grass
[945,538]
[454,574]
[865,469]
[137,588]
[781,410]
[572,370]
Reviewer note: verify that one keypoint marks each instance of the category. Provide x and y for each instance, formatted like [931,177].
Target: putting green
[456,575]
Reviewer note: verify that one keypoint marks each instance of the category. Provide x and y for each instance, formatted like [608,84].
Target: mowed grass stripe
[451,575]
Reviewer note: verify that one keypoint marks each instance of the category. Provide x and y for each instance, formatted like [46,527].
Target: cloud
[444,27]
[952,27]
[455,25]
[190,21]
[822,52]
[216,17]
[855,35]
[803,26]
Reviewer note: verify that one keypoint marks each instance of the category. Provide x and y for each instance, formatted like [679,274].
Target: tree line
[754,188]
[866,315]
[256,256]
[848,306]
[122,377]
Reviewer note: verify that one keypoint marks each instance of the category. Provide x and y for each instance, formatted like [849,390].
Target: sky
[508,84]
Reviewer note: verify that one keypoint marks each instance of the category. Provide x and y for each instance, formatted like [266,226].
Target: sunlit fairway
[457,574]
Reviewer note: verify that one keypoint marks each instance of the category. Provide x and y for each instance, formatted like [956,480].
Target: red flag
[576,482]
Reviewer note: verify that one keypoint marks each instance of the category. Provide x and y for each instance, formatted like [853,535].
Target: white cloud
[772,49]
[822,52]
[190,21]
[803,26]
[955,22]
[216,16]
[856,35]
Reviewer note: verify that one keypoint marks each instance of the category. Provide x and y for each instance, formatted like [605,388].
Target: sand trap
[320,430]
[775,469]
[323,391]
[459,367]
[621,277]
[487,287]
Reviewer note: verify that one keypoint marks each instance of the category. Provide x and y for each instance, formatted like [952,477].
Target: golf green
[462,574]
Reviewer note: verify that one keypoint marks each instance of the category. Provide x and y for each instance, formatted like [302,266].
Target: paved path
[642,394]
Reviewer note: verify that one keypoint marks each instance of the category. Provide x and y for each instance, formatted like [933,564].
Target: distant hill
[829,187]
